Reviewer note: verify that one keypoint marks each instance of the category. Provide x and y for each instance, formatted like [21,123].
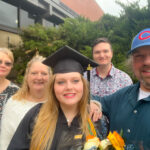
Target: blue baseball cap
[141,39]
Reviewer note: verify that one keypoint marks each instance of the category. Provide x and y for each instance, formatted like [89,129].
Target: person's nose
[39,76]
[69,85]
[101,54]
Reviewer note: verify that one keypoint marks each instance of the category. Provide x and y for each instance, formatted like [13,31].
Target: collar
[134,93]
[111,72]
[63,120]
[142,94]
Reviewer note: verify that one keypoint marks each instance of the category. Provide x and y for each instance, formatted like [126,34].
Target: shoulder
[125,90]
[22,136]
[13,85]
[118,71]
[34,111]
[12,110]
[12,89]
[18,108]
[9,107]
[12,104]
[118,94]
[124,93]
[29,118]
[9,103]
[122,76]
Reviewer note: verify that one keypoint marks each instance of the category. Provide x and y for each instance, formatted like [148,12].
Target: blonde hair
[24,90]
[45,125]
[8,52]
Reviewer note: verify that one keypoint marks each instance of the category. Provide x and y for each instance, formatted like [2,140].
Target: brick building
[86,8]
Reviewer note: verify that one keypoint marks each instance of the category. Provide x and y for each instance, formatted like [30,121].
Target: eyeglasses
[8,64]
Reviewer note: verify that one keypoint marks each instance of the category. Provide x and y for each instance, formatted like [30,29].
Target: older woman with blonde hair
[7,88]
[63,122]
[33,91]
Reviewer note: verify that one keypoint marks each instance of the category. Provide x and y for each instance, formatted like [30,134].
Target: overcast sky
[109,6]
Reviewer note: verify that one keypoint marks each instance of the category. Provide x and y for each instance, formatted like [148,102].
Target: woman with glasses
[7,88]
[32,92]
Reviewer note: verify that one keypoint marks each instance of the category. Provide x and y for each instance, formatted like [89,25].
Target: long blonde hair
[44,129]
[24,90]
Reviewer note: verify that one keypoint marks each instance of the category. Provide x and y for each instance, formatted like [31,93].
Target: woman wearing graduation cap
[62,123]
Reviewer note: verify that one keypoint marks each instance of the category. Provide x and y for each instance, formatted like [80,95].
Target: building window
[25,19]
[8,15]
[47,23]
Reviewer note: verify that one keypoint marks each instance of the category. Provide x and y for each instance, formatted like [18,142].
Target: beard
[145,84]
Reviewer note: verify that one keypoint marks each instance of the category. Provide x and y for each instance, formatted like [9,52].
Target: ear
[112,52]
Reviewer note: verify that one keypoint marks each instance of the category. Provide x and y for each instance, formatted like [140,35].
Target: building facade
[17,14]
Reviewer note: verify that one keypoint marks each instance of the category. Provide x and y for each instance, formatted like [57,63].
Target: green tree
[79,33]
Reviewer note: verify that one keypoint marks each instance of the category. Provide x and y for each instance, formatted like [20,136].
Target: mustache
[146,67]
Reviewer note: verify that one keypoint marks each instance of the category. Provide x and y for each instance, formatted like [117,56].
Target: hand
[95,111]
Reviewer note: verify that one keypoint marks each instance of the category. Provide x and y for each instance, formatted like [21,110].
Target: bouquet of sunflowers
[113,140]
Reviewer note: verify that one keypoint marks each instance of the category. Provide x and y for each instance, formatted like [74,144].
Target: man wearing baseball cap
[129,108]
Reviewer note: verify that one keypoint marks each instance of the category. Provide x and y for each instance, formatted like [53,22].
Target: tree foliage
[79,33]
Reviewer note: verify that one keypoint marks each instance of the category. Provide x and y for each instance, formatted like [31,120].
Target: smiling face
[102,53]
[68,88]
[141,66]
[5,65]
[38,76]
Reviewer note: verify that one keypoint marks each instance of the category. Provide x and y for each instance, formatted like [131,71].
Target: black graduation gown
[65,137]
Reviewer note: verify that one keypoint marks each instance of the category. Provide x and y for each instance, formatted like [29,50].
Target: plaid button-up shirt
[115,80]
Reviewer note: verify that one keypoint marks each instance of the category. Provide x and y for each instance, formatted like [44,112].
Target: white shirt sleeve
[13,113]
[8,126]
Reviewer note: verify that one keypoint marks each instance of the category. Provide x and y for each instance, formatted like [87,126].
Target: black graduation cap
[67,60]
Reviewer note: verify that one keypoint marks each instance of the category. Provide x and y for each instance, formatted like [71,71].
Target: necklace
[36,99]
